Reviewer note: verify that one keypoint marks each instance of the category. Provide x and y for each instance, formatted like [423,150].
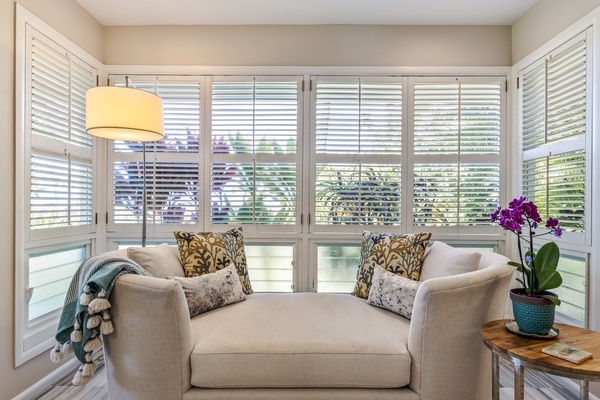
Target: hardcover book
[567,352]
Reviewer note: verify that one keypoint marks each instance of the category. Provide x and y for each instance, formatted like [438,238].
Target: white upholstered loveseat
[305,346]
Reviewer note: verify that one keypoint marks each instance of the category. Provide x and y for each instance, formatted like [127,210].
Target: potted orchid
[533,304]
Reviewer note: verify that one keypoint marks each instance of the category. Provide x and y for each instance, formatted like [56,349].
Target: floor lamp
[123,113]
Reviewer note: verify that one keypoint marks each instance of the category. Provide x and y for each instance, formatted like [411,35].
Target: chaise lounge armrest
[444,336]
[148,354]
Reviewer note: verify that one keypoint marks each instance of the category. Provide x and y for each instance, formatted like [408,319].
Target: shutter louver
[457,147]
[567,94]
[49,91]
[254,150]
[61,192]
[557,185]
[359,117]
[248,193]
[172,176]
[181,106]
[554,103]
[61,157]
[534,108]
[254,117]
[453,118]
[348,194]
[358,145]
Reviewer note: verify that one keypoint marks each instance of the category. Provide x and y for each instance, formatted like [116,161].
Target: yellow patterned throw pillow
[208,252]
[401,254]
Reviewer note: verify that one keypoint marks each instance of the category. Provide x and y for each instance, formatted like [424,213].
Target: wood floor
[538,386]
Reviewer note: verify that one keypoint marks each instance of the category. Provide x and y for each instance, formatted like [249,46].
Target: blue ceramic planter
[533,315]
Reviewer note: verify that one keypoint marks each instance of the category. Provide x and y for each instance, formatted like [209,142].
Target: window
[55,224]
[172,164]
[554,104]
[554,125]
[358,145]
[270,267]
[337,266]
[254,151]
[457,132]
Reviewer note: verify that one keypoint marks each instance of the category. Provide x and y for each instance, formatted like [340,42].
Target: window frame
[576,244]
[31,339]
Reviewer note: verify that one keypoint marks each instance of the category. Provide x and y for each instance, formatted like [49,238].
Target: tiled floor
[538,386]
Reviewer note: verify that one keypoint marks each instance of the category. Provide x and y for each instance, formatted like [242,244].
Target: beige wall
[314,45]
[72,21]
[544,21]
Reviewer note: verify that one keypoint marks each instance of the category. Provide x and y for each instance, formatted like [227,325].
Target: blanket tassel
[89,367]
[80,379]
[94,343]
[56,354]
[76,335]
[94,321]
[67,348]
[106,327]
[86,297]
[100,303]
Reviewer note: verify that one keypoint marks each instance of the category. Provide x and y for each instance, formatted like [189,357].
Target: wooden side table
[524,352]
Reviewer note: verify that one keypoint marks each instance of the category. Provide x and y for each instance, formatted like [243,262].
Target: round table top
[529,350]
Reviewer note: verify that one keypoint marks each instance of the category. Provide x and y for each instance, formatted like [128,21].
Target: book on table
[567,352]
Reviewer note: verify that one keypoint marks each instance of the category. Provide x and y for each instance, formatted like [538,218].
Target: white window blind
[358,136]
[171,163]
[254,139]
[554,124]
[457,130]
[61,151]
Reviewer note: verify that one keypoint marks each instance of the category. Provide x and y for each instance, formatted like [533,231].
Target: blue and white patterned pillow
[392,292]
[209,291]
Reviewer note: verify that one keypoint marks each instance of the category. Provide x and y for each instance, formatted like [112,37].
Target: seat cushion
[300,340]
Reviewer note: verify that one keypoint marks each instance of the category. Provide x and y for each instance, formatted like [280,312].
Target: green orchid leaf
[548,279]
[547,257]
[553,299]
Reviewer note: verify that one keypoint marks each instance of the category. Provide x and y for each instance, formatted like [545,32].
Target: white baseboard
[43,384]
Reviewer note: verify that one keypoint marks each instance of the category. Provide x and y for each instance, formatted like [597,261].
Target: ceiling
[303,12]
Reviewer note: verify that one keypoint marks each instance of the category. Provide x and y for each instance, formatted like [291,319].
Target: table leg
[495,376]
[519,380]
[584,390]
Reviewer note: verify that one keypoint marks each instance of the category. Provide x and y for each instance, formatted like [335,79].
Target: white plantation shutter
[254,136]
[61,191]
[55,180]
[554,124]
[534,107]
[363,194]
[457,129]
[358,135]
[556,184]
[171,163]
[61,151]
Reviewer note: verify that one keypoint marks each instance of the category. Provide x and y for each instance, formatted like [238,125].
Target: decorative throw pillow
[160,261]
[443,260]
[206,252]
[401,254]
[393,292]
[207,292]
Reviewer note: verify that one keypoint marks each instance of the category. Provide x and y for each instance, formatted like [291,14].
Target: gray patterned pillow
[392,292]
[209,291]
